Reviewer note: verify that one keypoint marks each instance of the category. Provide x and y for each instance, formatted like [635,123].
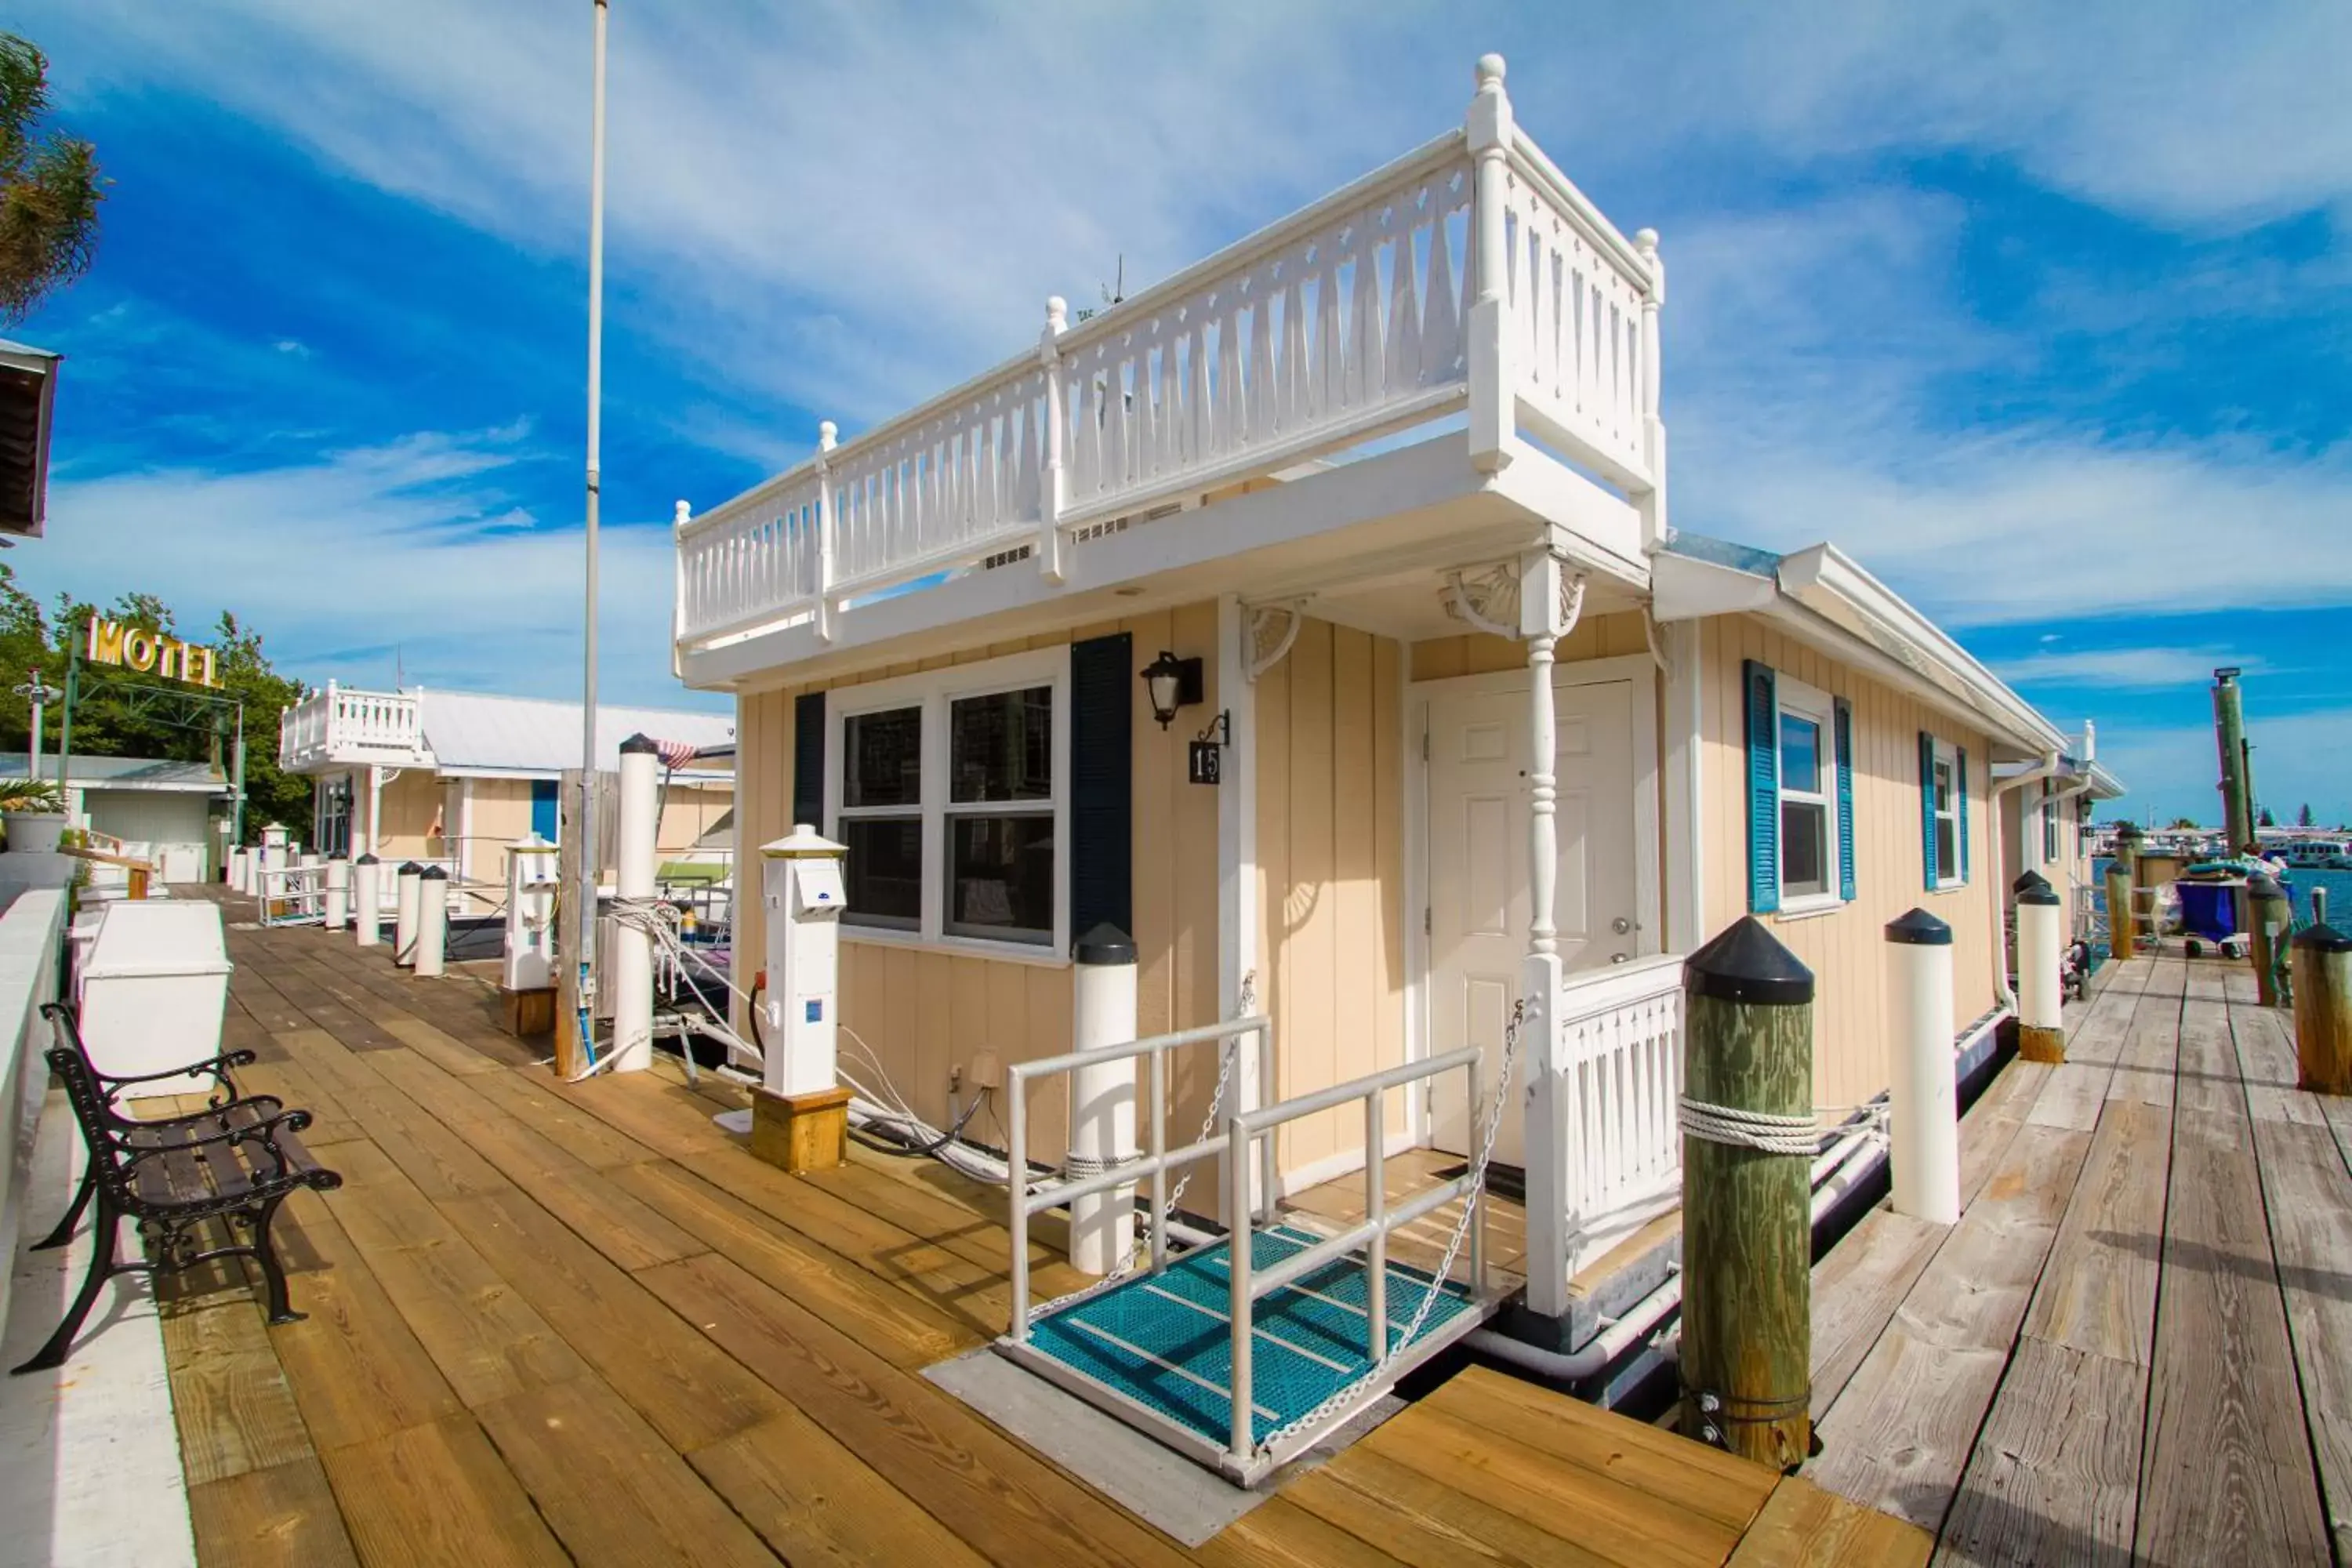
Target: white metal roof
[525,737]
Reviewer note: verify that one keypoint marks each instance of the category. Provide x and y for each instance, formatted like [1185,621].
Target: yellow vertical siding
[1330,770]
[1846,949]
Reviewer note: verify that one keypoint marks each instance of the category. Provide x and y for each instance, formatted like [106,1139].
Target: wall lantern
[1172,683]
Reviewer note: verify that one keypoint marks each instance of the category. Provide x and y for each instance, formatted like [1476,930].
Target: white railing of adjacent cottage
[1341,324]
[1618,1049]
[338,721]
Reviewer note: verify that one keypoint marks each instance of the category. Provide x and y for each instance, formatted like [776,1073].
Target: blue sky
[2042,312]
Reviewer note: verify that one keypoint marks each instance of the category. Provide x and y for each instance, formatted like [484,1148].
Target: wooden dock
[2137,1343]
[553,1323]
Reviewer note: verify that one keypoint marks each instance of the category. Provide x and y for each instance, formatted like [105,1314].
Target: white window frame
[1946,755]
[933,692]
[1794,697]
[2053,849]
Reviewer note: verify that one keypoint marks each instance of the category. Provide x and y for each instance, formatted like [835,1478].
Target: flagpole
[586,924]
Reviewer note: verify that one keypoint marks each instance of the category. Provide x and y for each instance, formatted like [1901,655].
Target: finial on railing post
[1655,529]
[827,432]
[1051,493]
[681,514]
[1493,407]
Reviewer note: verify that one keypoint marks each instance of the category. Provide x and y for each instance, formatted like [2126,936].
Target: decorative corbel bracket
[1267,633]
[1485,600]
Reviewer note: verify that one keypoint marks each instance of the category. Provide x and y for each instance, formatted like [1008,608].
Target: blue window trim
[1845,711]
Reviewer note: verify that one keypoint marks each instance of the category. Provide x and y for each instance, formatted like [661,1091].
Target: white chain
[1473,1206]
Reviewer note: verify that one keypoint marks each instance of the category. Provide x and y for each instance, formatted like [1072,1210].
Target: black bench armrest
[264,1132]
[217,1065]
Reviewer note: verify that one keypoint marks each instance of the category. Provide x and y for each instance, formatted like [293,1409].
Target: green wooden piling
[2229,741]
[2270,921]
[2322,1009]
[1747,1236]
[2121,943]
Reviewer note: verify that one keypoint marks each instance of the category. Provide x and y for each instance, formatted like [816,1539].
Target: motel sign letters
[149,653]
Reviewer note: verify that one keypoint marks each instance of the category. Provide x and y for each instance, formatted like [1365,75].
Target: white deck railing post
[1493,392]
[1653,504]
[1053,488]
[826,570]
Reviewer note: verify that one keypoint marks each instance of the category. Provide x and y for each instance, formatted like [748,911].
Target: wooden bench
[235,1161]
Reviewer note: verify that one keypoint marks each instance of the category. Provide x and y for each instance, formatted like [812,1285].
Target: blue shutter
[542,808]
[1960,786]
[808,759]
[1846,798]
[1927,807]
[1763,790]
[1102,784]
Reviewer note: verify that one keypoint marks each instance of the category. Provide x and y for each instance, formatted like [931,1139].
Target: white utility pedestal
[403,912]
[1102,1099]
[367,901]
[432,920]
[2040,997]
[632,976]
[1924,1142]
[153,992]
[799,1116]
[527,975]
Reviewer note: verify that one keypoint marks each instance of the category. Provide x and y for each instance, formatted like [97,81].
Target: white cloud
[408,551]
[2134,668]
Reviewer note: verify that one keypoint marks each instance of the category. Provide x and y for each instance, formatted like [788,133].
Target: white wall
[28,972]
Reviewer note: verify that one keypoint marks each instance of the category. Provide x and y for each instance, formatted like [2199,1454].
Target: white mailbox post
[800,1118]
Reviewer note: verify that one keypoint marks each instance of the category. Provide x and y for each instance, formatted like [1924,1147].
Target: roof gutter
[1825,580]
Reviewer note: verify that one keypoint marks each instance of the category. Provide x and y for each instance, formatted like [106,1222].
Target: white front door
[1477,869]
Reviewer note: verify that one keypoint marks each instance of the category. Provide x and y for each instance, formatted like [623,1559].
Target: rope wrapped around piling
[1761,1131]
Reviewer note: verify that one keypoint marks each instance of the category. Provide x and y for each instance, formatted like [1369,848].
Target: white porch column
[1544,618]
[1685,853]
[1240,903]
[1494,399]
[375,808]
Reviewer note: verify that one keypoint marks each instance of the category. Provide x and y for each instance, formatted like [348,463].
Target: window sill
[1940,887]
[1812,907]
[1035,954]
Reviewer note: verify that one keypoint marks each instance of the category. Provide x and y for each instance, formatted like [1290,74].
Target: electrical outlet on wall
[986,1071]
[955,1078]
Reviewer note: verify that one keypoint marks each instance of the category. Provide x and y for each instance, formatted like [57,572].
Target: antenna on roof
[1112,293]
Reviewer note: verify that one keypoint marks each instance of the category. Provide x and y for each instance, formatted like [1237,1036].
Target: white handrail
[1245,1286]
[1154,1164]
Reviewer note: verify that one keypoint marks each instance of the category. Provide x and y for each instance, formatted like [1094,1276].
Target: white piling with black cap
[367,901]
[1925,1147]
[403,912]
[2041,955]
[432,920]
[631,975]
[1750,1138]
[1102,1099]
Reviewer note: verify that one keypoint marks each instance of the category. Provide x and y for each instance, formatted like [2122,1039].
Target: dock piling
[2041,994]
[2121,941]
[432,921]
[1926,1145]
[2322,1010]
[2269,923]
[1749,1141]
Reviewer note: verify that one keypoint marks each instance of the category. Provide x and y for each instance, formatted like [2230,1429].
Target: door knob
[1619,958]
[1620,925]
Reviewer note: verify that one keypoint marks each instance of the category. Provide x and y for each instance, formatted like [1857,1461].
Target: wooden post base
[529,1013]
[2038,1045]
[799,1133]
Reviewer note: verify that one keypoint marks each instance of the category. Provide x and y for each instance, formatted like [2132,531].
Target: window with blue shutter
[1102,784]
[1846,798]
[1960,770]
[808,759]
[1928,810]
[1763,790]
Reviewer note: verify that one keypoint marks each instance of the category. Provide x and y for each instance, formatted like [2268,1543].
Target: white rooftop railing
[1376,310]
[345,724]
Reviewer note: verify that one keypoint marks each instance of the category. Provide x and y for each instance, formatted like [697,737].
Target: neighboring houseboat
[453,777]
[1315,617]
[174,813]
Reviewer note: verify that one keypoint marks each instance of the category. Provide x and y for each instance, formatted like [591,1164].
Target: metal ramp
[1241,1362]
[1157,1350]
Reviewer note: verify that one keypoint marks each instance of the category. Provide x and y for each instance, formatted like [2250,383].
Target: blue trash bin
[2209,909]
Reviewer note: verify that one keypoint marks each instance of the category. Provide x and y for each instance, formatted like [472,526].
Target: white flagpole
[586,924]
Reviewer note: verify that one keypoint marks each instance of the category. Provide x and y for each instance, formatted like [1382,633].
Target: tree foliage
[50,187]
[2302,815]
[107,722]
